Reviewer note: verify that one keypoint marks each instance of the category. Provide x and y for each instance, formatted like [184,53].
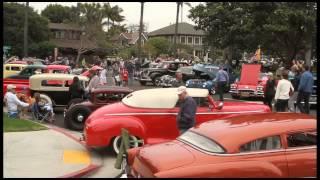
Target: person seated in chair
[41,108]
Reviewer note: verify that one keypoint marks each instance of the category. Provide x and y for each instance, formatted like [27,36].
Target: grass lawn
[16,125]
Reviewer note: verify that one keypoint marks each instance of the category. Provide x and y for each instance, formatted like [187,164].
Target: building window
[197,40]
[62,34]
[183,40]
[57,34]
[189,40]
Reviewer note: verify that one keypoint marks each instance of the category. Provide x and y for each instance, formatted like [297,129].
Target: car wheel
[157,81]
[143,83]
[117,143]
[45,99]
[76,117]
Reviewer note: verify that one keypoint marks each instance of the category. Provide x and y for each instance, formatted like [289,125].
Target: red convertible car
[252,82]
[260,145]
[150,115]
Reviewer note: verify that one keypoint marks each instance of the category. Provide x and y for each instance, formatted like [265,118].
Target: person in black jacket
[188,109]
[75,89]
[270,90]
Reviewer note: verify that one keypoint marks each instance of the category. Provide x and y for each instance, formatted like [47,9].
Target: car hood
[250,74]
[165,156]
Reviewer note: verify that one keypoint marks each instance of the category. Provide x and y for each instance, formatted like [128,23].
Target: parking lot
[107,156]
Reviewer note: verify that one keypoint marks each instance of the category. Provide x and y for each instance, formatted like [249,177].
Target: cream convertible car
[54,88]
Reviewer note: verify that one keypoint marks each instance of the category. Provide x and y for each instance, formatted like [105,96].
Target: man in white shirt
[12,101]
[283,93]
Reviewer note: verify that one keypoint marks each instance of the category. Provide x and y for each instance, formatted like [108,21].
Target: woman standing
[270,90]
[283,92]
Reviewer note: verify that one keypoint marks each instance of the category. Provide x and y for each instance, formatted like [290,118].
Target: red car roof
[245,128]
[60,67]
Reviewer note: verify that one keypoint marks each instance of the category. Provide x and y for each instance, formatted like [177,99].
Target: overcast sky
[156,14]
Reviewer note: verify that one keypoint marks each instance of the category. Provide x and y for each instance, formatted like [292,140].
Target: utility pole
[140,33]
[176,30]
[25,35]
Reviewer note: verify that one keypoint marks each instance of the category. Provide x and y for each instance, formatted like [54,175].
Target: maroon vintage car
[150,115]
[252,82]
[259,145]
[77,113]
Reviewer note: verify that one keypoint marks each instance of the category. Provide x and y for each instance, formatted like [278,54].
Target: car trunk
[250,74]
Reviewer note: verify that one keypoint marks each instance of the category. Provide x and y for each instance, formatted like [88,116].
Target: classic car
[76,114]
[21,80]
[252,82]
[259,145]
[168,80]
[87,72]
[153,75]
[150,115]
[13,68]
[54,87]
[206,74]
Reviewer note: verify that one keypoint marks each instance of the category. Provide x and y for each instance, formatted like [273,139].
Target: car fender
[110,127]
[227,169]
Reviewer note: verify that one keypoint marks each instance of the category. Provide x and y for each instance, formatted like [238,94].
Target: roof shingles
[183,28]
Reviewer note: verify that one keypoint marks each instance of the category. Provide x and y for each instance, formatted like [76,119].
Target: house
[186,35]
[69,38]
[128,39]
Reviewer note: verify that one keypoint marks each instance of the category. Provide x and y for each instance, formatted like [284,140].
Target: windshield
[163,65]
[201,142]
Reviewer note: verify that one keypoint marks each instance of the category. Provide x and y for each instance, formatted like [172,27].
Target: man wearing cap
[187,112]
[12,101]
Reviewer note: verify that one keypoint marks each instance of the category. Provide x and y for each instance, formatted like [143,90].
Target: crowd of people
[290,87]
[286,88]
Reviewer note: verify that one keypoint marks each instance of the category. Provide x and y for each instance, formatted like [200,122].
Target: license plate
[245,94]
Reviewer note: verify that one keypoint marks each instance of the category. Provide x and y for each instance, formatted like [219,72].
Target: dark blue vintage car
[206,75]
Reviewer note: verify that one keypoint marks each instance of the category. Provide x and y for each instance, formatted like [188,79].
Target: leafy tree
[13,22]
[158,45]
[42,49]
[57,13]
[281,28]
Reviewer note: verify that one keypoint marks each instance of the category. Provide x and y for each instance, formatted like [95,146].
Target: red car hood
[250,74]
[164,156]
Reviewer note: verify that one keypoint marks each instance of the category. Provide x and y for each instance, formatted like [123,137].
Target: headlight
[260,88]
[187,83]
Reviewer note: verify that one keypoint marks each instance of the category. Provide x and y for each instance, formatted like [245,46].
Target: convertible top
[159,98]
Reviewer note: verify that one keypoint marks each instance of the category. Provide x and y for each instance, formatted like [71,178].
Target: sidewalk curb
[90,168]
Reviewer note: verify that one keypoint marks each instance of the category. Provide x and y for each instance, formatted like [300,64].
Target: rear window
[201,142]
[15,68]
[268,143]
[52,83]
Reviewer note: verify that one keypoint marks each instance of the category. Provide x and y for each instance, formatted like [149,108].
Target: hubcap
[80,117]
